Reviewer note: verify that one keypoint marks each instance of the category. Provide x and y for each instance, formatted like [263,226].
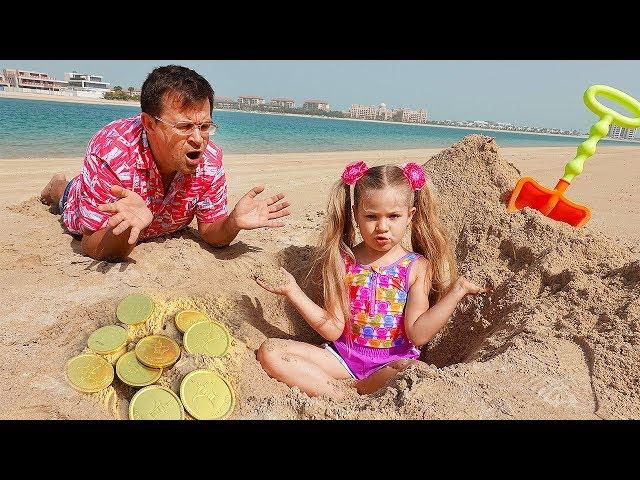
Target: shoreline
[102,101]
[65,99]
[423,125]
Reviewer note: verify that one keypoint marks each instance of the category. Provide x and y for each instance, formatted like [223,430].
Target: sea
[48,129]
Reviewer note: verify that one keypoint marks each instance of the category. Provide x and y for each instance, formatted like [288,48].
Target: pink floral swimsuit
[378,296]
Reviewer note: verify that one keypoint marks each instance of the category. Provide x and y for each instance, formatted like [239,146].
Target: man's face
[176,151]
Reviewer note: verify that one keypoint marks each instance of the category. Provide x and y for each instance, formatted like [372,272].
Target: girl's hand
[468,287]
[285,284]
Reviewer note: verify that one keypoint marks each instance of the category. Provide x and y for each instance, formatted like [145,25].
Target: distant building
[224,102]
[283,102]
[86,81]
[316,105]
[86,84]
[411,116]
[36,81]
[367,112]
[250,100]
[615,131]
[381,112]
[3,82]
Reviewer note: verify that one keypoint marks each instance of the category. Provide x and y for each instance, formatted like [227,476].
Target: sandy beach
[558,337]
[65,98]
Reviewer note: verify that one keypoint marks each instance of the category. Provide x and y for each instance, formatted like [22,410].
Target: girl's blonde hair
[428,236]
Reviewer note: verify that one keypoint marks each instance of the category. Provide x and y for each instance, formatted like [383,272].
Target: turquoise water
[32,128]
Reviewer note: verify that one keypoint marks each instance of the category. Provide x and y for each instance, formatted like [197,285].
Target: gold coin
[186,318]
[157,351]
[208,338]
[108,339]
[89,373]
[206,395]
[134,373]
[155,403]
[134,309]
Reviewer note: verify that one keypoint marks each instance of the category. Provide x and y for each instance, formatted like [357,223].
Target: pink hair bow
[415,175]
[353,172]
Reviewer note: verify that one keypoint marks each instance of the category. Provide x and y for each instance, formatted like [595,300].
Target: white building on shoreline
[615,131]
[86,84]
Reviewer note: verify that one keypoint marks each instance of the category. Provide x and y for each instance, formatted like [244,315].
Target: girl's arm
[327,325]
[421,323]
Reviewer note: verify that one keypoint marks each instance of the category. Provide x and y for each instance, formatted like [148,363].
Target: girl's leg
[380,378]
[312,369]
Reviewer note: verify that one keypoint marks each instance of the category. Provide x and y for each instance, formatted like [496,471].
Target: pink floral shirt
[119,154]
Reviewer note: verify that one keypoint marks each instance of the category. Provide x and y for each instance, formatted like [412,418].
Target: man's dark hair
[190,86]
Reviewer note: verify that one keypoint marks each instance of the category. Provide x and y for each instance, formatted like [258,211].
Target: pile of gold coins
[204,394]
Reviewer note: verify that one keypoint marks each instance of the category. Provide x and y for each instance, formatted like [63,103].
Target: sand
[558,337]
[66,98]
[270,275]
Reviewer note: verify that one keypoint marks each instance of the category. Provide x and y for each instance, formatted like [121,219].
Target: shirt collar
[145,156]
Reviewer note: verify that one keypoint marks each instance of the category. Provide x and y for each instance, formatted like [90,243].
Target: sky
[538,93]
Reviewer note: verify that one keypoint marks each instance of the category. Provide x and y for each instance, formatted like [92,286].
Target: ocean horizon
[34,128]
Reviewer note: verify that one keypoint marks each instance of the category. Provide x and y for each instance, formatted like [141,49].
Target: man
[148,175]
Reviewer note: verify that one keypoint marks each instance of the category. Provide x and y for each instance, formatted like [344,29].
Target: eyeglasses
[187,128]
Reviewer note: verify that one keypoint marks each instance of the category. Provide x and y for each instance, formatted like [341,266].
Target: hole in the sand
[478,331]
[552,284]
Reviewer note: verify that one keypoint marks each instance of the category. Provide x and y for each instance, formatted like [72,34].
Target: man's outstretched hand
[130,211]
[250,213]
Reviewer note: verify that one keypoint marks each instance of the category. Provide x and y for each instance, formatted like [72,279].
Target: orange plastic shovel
[552,202]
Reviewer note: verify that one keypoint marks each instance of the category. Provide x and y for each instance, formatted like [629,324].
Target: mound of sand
[557,336]
[567,292]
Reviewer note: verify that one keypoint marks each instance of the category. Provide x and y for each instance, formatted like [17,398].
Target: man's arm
[104,245]
[249,213]
[219,233]
[118,237]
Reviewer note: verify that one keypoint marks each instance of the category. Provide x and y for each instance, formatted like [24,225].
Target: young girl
[382,302]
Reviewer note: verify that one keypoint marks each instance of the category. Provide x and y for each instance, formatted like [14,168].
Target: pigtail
[337,239]
[429,238]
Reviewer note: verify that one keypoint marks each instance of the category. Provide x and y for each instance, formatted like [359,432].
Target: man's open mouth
[194,155]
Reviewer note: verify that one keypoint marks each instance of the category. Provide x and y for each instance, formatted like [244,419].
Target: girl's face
[383,216]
